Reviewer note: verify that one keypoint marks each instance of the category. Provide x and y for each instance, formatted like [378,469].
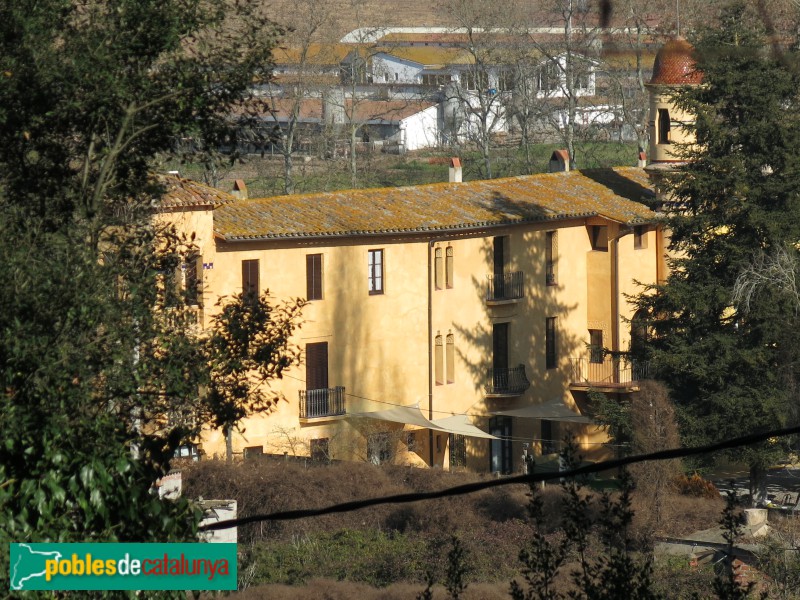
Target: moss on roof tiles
[180,192]
[616,194]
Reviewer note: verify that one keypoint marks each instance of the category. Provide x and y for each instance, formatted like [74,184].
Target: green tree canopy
[98,366]
[737,195]
[247,346]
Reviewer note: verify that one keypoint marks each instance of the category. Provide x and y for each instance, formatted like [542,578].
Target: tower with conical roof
[674,67]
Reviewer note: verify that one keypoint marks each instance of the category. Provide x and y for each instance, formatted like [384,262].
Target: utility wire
[518,479]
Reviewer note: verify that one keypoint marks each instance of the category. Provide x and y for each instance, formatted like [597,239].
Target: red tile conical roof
[675,64]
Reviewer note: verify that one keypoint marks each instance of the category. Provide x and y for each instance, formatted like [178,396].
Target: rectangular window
[438,269]
[499,258]
[319,450]
[663,134]
[550,251]
[314,276]
[439,360]
[317,366]
[500,450]
[411,441]
[639,237]
[251,452]
[549,439]
[551,359]
[192,281]
[596,345]
[250,285]
[378,449]
[599,237]
[458,450]
[375,271]
[448,267]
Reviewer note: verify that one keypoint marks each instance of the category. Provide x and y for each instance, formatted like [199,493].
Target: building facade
[451,325]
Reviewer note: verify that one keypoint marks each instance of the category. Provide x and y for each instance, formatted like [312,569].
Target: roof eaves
[411,230]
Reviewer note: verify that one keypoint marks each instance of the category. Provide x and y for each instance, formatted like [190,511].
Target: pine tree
[730,372]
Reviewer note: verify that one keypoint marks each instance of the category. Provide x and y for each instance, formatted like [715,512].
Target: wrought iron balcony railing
[607,371]
[505,286]
[326,402]
[507,382]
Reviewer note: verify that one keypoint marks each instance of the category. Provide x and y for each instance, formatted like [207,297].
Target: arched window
[448,270]
[438,360]
[437,269]
[451,358]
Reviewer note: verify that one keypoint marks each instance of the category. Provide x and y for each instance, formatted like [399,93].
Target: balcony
[326,402]
[506,383]
[503,288]
[609,373]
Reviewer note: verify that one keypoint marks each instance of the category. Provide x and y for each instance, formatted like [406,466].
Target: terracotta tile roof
[675,64]
[611,193]
[180,192]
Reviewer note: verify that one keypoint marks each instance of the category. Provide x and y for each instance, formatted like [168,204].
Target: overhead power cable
[469,488]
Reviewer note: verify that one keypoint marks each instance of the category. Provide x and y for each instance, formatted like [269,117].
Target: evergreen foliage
[247,347]
[731,372]
[99,370]
[615,571]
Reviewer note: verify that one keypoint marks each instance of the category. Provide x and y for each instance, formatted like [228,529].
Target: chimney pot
[455,170]
[240,189]
[559,161]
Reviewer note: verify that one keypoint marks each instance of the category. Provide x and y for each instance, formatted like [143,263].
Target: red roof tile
[675,64]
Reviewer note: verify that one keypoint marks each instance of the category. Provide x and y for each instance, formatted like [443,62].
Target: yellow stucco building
[453,324]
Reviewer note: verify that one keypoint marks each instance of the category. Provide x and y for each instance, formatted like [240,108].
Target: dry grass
[391,547]
[326,589]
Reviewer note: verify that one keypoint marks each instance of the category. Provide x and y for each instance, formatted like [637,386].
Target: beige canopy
[412,415]
[555,410]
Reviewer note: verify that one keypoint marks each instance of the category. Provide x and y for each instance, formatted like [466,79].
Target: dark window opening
[639,237]
[411,441]
[551,358]
[596,345]
[500,455]
[192,281]
[250,283]
[663,134]
[317,366]
[314,276]
[458,450]
[549,445]
[599,237]
[375,271]
[550,258]
[320,450]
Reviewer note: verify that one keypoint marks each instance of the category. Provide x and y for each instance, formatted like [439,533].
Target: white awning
[461,425]
[555,410]
[412,415]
